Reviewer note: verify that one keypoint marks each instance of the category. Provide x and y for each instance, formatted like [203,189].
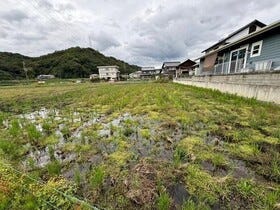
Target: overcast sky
[142,32]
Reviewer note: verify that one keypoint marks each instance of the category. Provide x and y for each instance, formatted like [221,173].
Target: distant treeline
[71,63]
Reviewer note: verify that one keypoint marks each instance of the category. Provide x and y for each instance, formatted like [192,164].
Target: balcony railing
[239,67]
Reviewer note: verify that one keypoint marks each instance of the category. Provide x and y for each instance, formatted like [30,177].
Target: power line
[30,11]
[35,12]
[58,17]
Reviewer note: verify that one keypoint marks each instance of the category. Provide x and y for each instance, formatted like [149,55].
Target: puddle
[158,146]
[42,157]
[240,170]
[214,140]
[43,113]
[178,193]
[215,171]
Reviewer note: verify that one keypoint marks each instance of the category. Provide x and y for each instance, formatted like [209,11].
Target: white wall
[238,35]
[106,72]
[264,87]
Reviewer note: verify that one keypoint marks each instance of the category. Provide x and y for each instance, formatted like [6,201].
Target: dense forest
[71,63]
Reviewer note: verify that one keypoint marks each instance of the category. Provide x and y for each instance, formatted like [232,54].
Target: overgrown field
[136,146]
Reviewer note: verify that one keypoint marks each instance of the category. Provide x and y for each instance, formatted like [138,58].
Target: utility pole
[25,70]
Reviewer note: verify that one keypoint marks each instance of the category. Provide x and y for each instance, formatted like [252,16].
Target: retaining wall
[262,86]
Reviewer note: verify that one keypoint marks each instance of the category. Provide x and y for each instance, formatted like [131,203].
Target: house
[135,75]
[254,47]
[94,76]
[45,77]
[185,69]
[149,72]
[169,69]
[109,72]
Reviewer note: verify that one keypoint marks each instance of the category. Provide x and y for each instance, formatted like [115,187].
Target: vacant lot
[127,146]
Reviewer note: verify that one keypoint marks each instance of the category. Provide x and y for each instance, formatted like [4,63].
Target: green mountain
[71,63]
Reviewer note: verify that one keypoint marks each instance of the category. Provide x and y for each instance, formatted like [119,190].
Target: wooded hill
[71,63]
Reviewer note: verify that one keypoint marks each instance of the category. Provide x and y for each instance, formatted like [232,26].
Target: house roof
[255,22]
[247,37]
[148,68]
[171,64]
[108,67]
[187,63]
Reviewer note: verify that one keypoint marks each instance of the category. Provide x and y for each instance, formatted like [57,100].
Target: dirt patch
[141,186]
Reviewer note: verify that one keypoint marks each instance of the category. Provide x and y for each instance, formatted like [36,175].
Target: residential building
[135,75]
[149,72]
[109,72]
[45,77]
[169,69]
[185,69]
[254,47]
[94,76]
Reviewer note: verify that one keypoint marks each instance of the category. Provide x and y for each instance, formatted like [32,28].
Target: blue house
[253,48]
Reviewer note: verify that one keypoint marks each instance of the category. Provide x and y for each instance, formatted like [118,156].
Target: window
[256,49]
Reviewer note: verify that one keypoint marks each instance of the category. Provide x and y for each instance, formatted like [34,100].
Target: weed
[51,153]
[9,148]
[128,131]
[163,201]
[54,168]
[245,188]
[47,128]
[218,160]
[97,177]
[77,176]
[2,118]
[179,155]
[33,133]
[275,166]
[15,129]
[191,205]
[145,133]
[202,184]
[271,199]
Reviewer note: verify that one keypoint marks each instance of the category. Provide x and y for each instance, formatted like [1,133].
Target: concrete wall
[262,86]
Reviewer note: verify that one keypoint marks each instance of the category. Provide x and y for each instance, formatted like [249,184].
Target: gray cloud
[3,34]
[14,15]
[103,41]
[28,37]
[143,32]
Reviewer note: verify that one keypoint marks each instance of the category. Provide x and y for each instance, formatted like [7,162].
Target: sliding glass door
[238,60]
